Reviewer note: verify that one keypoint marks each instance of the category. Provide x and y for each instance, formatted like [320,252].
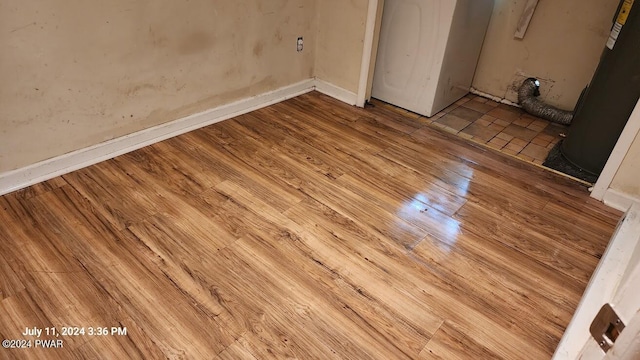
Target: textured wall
[341,27]
[562,47]
[76,73]
[626,179]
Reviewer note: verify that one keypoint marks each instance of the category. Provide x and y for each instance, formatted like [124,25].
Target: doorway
[601,190]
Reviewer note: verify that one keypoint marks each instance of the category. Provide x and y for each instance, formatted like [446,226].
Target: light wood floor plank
[451,343]
[308,229]
[387,279]
[10,283]
[274,188]
[19,312]
[552,252]
[236,352]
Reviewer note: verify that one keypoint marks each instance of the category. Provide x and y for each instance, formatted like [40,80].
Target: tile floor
[505,128]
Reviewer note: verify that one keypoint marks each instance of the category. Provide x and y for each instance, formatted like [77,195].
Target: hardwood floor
[309,229]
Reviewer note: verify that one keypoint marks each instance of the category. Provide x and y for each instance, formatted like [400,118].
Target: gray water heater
[607,103]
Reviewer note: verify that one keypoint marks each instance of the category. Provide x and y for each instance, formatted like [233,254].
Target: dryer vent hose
[527,97]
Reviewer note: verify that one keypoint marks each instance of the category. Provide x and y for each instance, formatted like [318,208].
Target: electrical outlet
[300,44]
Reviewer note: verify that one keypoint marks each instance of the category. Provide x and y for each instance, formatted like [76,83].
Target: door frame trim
[623,145]
[603,284]
[367,52]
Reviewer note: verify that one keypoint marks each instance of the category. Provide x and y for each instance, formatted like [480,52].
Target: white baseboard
[20,178]
[618,200]
[492,97]
[335,92]
[44,170]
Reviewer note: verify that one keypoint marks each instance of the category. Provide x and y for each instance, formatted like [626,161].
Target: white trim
[618,200]
[617,155]
[367,52]
[20,178]
[335,92]
[494,98]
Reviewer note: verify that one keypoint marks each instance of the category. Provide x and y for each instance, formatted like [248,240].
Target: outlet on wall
[300,44]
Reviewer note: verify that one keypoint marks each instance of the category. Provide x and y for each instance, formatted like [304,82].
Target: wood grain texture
[308,229]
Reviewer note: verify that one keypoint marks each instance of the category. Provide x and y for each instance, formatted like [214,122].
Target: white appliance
[428,52]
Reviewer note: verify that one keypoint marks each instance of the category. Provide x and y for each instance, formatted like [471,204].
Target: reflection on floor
[307,229]
[505,128]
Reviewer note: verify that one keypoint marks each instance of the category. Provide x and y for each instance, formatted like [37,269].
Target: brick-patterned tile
[555,129]
[500,142]
[466,113]
[523,121]
[540,122]
[501,122]
[520,132]
[545,137]
[480,132]
[478,106]
[453,122]
[535,126]
[514,147]
[539,141]
[504,114]
[449,108]
[535,151]
[519,141]
[529,116]
[482,122]
[504,136]
[462,101]
[496,127]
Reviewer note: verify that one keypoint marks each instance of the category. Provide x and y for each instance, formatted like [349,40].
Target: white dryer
[428,52]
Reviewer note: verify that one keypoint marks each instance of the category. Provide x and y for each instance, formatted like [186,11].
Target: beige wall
[627,179]
[341,28]
[562,47]
[76,73]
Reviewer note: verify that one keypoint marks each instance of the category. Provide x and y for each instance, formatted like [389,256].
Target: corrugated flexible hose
[527,97]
